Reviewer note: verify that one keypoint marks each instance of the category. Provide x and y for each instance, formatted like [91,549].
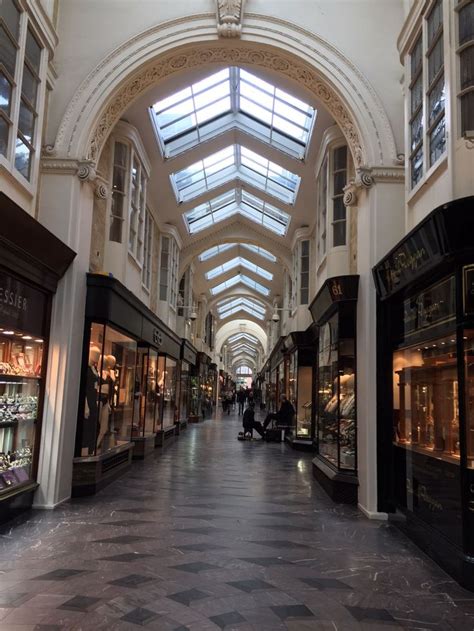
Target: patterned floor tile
[228,619]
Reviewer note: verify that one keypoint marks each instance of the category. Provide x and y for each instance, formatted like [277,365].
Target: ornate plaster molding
[229,17]
[85,171]
[189,58]
[367,177]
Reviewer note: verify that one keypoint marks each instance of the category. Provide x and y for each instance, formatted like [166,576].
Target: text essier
[13,299]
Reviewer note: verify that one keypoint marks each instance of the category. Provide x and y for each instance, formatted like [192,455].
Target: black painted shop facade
[425,387]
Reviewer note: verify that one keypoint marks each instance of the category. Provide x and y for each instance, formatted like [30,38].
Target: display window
[110,388]
[304,405]
[468,342]
[21,360]
[184,391]
[426,398]
[169,392]
[336,409]
[146,404]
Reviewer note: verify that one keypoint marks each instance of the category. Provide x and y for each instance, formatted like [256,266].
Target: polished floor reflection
[219,534]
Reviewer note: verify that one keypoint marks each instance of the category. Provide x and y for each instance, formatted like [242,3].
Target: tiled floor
[219,534]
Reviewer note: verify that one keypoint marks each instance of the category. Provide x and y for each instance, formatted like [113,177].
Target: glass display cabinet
[21,359]
[334,311]
[301,359]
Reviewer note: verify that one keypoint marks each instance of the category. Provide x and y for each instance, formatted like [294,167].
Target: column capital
[366,177]
[229,17]
[85,170]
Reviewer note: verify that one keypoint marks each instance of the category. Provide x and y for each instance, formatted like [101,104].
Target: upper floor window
[129,183]
[20,82]
[427,119]
[169,262]
[322,191]
[304,272]
[465,9]
[147,249]
[339,180]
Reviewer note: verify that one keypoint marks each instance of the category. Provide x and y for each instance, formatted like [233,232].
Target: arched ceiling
[270,184]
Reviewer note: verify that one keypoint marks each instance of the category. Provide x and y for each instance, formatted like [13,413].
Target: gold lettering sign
[422,494]
[336,289]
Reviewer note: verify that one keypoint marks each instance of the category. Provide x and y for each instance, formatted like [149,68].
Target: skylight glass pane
[232,162]
[251,303]
[240,278]
[258,250]
[244,336]
[268,216]
[238,261]
[214,251]
[233,99]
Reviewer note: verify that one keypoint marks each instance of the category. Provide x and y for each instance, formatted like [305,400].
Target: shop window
[426,398]
[107,412]
[20,82]
[147,250]
[21,358]
[304,272]
[427,120]
[169,260]
[322,191]
[169,393]
[339,180]
[336,405]
[466,63]
[146,400]
[119,190]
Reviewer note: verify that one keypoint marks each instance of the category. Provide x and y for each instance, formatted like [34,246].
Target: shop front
[425,424]
[300,350]
[188,363]
[278,364]
[32,261]
[199,388]
[334,311]
[123,384]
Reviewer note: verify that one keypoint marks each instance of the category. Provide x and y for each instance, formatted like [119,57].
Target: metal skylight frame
[246,336]
[238,261]
[244,348]
[256,249]
[235,162]
[232,98]
[243,279]
[216,250]
[233,305]
[233,202]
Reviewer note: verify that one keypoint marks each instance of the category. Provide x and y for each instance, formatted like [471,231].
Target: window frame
[147,251]
[333,172]
[8,160]
[170,294]
[460,48]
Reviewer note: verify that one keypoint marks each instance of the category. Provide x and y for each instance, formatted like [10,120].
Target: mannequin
[91,404]
[105,440]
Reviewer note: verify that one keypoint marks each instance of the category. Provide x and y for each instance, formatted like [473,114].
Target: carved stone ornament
[101,191]
[229,17]
[364,178]
[86,171]
[198,57]
[350,194]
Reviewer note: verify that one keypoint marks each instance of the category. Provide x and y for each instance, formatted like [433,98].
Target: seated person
[250,423]
[284,416]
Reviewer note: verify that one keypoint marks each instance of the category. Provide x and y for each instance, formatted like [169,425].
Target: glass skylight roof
[242,336]
[258,250]
[217,249]
[237,201]
[232,98]
[244,348]
[240,278]
[235,162]
[236,262]
[230,306]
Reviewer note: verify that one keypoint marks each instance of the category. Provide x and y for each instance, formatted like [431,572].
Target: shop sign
[337,289]
[21,306]
[468,289]
[157,338]
[414,256]
[436,305]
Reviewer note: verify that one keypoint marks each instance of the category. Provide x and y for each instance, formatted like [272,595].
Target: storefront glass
[426,398]
[109,390]
[468,339]
[303,408]
[184,392]
[21,356]
[146,398]
[169,393]
[336,396]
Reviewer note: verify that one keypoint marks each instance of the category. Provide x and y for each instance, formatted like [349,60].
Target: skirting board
[372,514]
[50,506]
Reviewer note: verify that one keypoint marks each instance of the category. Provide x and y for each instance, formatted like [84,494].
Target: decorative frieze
[229,17]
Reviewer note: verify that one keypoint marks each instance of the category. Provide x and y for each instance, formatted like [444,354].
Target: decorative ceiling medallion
[229,17]
[288,66]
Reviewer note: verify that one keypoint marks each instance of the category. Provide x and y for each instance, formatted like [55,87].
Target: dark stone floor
[219,534]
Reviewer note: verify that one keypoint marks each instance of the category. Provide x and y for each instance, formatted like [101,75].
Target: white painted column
[66,210]
[380,225]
